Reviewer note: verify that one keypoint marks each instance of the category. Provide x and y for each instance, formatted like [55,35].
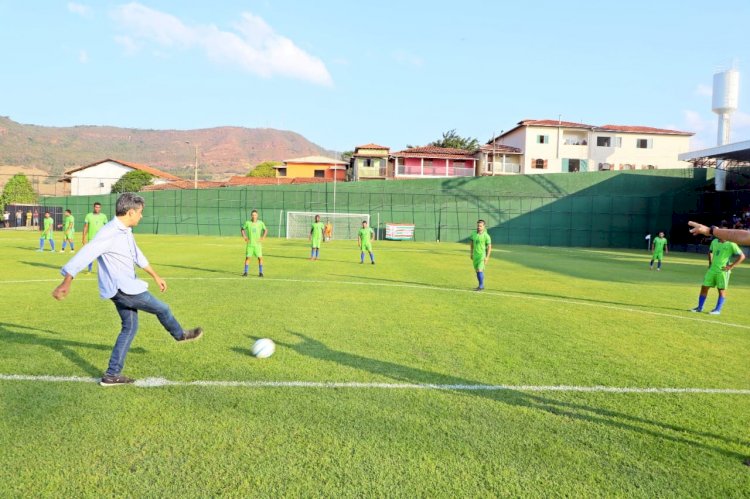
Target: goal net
[345,225]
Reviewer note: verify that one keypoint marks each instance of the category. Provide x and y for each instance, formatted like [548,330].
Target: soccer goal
[345,225]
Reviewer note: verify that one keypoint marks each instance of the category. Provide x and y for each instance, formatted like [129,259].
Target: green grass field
[550,316]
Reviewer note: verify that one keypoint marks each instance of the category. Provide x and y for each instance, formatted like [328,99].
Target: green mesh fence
[598,209]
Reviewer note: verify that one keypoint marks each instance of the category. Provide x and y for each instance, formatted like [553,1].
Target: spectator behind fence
[19,217]
[28,218]
[35,223]
[6,219]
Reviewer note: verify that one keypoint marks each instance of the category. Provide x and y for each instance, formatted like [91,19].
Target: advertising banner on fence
[399,232]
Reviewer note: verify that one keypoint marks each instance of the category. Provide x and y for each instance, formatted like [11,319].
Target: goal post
[345,225]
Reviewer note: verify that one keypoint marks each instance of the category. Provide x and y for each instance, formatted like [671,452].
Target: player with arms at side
[481,248]
[365,236]
[48,233]
[91,225]
[254,232]
[118,254]
[316,237]
[68,227]
[719,270]
[659,246]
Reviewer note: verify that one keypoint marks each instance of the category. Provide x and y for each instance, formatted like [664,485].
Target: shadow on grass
[42,265]
[187,267]
[572,299]
[312,348]
[23,335]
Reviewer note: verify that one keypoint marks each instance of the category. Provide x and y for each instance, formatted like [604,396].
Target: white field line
[566,301]
[157,382]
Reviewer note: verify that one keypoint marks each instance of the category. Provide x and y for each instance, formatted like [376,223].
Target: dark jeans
[128,307]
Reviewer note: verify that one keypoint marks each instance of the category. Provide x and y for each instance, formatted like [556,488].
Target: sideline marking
[158,382]
[568,301]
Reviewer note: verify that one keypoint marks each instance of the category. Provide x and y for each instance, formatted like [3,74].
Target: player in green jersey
[91,225]
[254,232]
[68,227]
[48,233]
[481,248]
[316,237]
[723,256]
[659,246]
[365,236]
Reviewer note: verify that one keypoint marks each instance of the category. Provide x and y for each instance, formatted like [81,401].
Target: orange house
[312,167]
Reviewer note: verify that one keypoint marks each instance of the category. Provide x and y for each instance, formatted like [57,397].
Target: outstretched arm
[159,281]
[738,236]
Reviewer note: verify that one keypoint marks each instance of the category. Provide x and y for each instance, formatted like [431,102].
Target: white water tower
[725,99]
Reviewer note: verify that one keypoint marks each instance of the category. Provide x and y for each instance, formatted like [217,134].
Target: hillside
[223,151]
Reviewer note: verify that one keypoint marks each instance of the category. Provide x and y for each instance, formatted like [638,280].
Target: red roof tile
[641,129]
[555,123]
[371,146]
[500,148]
[234,181]
[183,184]
[435,152]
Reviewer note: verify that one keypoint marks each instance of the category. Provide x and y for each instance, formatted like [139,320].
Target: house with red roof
[98,178]
[370,161]
[434,162]
[555,146]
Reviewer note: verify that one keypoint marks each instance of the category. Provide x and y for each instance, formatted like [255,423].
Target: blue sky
[344,73]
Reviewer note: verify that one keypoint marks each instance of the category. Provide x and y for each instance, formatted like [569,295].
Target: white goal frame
[345,225]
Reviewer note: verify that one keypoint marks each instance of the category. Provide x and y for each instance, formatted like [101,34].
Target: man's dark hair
[128,201]
[481,221]
[68,211]
[254,211]
[97,203]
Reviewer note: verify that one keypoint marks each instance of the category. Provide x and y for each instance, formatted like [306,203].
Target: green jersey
[49,226]
[94,222]
[723,253]
[481,241]
[253,232]
[365,235]
[316,231]
[68,224]
[659,244]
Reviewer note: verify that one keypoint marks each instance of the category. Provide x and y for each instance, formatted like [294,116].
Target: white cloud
[407,58]
[80,9]
[253,45]
[130,47]
[83,57]
[704,90]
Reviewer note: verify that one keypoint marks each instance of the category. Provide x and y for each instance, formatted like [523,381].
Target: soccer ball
[263,348]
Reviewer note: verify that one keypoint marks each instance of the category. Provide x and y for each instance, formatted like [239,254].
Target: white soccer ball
[263,348]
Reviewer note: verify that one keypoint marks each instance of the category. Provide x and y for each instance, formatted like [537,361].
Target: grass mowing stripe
[570,301]
[156,382]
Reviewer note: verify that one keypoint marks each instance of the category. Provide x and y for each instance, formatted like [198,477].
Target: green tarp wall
[597,209]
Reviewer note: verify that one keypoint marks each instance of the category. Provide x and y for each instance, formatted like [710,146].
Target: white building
[553,146]
[98,178]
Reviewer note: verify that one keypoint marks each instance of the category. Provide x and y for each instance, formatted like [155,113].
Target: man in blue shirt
[116,251]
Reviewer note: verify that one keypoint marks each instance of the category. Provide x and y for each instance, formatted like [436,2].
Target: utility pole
[195,172]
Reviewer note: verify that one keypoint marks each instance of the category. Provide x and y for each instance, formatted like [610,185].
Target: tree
[132,182]
[452,139]
[17,190]
[265,169]
[346,156]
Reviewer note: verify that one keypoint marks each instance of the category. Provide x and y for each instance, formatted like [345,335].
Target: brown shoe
[191,334]
[115,380]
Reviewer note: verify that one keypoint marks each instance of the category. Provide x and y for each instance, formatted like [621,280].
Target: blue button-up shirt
[114,247]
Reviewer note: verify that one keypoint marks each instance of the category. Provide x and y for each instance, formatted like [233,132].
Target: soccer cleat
[244,275]
[479,289]
[62,251]
[715,312]
[658,270]
[260,274]
[361,263]
[191,334]
[115,380]
[696,309]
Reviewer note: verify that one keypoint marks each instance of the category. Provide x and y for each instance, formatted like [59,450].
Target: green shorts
[658,256]
[366,246]
[48,237]
[716,279]
[68,235]
[478,264]
[316,242]
[253,250]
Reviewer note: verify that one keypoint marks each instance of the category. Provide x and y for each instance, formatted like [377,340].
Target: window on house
[428,162]
[617,141]
[539,163]
[605,166]
[574,165]
[604,141]
[542,139]
[282,172]
[643,143]
[459,164]
[367,162]
[320,173]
